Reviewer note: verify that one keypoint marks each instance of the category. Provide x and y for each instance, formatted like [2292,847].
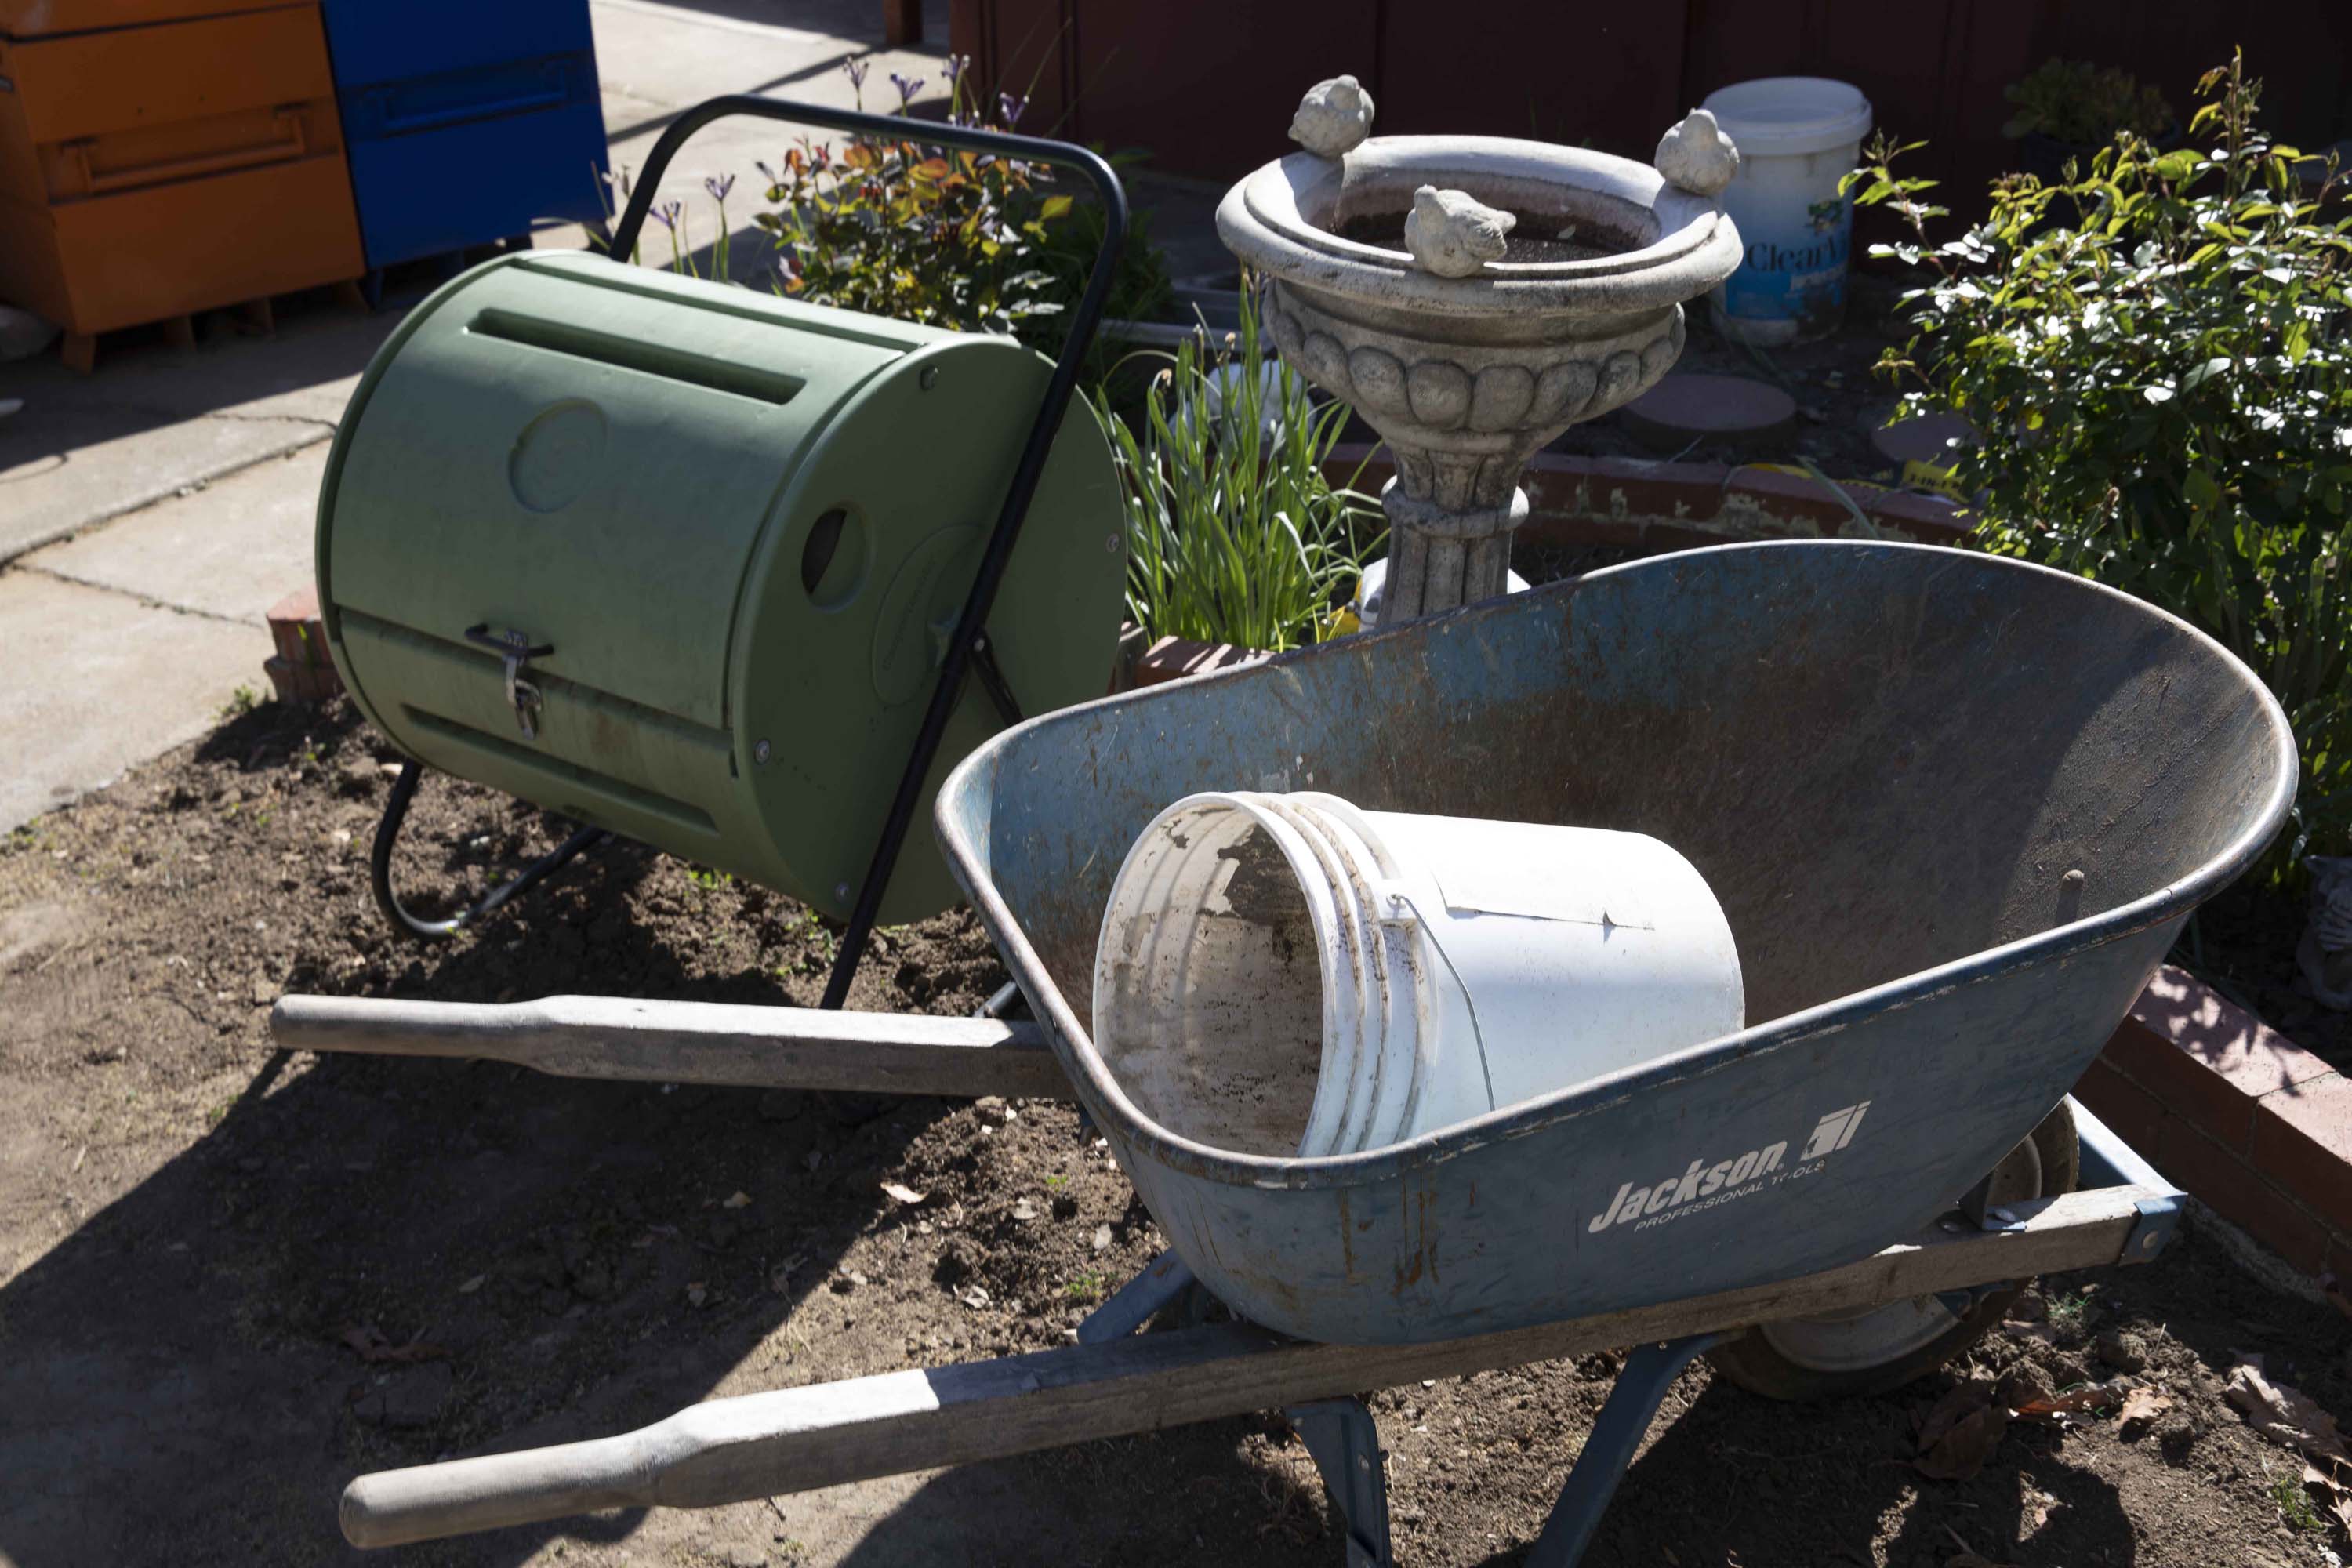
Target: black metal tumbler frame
[968,652]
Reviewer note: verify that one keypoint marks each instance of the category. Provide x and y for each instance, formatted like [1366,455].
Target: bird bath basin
[1473,297]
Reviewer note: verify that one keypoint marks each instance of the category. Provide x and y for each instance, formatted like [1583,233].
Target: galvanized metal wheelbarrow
[1955,809]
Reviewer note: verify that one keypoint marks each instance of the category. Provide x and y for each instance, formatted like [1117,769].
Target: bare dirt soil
[231,1279]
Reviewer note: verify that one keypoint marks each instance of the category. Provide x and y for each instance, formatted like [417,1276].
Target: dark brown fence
[1207,86]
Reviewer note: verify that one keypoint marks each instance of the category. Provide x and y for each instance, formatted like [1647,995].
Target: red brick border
[1172,659]
[301,670]
[2236,1113]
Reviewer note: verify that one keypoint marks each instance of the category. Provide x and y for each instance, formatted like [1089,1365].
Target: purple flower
[718,188]
[956,66]
[907,90]
[855,71]
[1009,108]
[667,212]
[766,172]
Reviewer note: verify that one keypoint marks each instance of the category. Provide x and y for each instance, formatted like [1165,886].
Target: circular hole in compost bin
[833,559]
[1208,987]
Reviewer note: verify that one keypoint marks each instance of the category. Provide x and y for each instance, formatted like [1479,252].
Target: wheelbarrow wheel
[1851,1354]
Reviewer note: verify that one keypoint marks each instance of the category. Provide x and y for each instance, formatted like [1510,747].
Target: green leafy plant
[959,240]
[2160,385]
[1141,288]
[896,228]
[1233,532]
[2086,105]
[2294,1505]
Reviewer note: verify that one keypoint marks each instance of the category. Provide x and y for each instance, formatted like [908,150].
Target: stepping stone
[1923,440]
[1692,406]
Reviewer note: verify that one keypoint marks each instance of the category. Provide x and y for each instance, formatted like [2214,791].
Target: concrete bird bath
[1473,297]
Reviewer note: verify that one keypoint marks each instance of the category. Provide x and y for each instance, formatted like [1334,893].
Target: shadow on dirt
[370,1262]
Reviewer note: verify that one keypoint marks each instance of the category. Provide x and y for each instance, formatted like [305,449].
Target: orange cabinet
[149,171]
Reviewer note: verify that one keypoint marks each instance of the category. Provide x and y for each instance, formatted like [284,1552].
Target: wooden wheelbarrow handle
[691,1042]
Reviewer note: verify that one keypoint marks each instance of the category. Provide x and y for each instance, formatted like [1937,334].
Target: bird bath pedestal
[1473,297]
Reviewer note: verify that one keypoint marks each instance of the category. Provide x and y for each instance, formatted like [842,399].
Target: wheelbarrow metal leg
[1649,1371]
[1346,1443]
[1131,1306]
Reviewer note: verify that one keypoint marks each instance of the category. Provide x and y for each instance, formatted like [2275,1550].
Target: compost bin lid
[586,453]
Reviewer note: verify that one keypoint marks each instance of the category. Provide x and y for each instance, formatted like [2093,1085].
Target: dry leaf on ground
[901,1194]
[1961,1451]
[1964,1400]
[2089,1396]
[373,1348]
[1968,1556]
[2142,1405]
[2285,1416]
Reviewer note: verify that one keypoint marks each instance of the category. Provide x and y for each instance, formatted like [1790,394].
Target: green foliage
[895,228]
[241,701]
[2086,105]
[1141,289]
[2160,384]
[959,240]
[2294,1505]
[1234,534]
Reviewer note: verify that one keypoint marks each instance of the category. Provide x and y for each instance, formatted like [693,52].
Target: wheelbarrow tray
[1955,807]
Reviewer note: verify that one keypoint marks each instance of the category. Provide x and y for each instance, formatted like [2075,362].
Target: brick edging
[2236,1114]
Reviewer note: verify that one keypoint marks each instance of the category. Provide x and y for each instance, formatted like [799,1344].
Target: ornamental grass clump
[2156,358]
[1233,532]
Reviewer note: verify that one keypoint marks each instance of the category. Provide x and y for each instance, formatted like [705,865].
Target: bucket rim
[1749,112]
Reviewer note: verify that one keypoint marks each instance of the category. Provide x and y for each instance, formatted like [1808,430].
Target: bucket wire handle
[968,648]
[1477,1035]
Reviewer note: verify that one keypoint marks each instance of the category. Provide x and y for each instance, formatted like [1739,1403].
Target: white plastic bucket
[1286,974]
[1796,136]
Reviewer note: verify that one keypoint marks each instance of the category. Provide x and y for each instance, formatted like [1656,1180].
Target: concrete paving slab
[61,493]
[657,58]
[231,550]
[155,421]
[98,681]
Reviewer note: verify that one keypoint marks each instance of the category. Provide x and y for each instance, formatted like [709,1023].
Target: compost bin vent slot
[632,354]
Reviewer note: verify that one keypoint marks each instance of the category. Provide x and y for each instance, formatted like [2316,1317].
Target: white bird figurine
[1450,234]
[1334,117]
[1697,156]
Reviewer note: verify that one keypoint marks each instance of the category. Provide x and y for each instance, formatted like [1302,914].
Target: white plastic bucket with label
[1797,136]
[1285,975]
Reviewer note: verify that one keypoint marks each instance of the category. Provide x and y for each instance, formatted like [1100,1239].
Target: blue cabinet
[466,121]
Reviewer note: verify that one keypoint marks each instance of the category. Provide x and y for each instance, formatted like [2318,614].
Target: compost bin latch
[515,650]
